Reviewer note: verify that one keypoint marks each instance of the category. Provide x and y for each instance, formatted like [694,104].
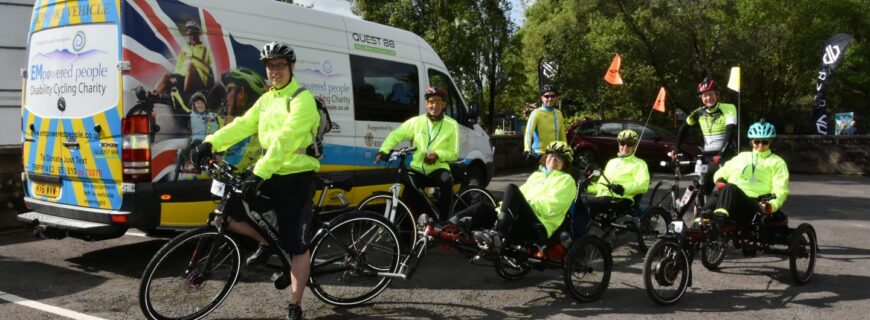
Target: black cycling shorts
[291,197]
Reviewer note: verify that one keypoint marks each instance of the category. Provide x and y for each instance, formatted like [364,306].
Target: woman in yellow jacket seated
[544,198]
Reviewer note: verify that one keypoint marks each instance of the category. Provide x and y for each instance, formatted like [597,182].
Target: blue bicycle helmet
[761,130]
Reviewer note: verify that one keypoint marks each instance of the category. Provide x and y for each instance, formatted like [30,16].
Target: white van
[108,121]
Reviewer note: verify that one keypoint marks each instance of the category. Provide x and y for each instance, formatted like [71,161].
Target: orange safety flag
[612,75]
[660,101]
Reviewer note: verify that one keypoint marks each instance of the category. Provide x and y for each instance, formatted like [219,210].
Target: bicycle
[647,225]
[397,211]
[192,274]
[666,196]
[586,263]
[667,269]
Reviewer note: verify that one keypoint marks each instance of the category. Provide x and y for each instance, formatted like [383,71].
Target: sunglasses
[761,142]
[550,96]
[630,144]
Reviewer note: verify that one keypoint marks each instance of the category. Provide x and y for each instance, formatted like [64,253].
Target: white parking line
[44,307]
[136,234]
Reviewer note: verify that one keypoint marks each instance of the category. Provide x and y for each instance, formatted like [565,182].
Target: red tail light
[136,148]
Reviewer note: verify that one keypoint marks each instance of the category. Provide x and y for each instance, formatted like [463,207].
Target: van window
[384,90]
[454,105]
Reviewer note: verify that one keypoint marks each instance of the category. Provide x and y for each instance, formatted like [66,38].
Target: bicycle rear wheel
[347,257]
[470,195]
[587,267]
[406,224]
[190,276]
[653,224]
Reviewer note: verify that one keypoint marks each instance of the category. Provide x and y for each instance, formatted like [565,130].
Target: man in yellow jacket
[749,175]
[436,137]
[545,125]
[626,176]
[285,120]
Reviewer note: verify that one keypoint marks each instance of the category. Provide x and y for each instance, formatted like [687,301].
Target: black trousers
[441,179]
[741,207]
[516,218]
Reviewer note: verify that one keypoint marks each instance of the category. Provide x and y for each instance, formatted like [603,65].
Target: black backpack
[325,126]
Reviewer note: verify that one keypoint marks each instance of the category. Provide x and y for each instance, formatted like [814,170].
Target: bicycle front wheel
[403,219]
[190,276]
[587,267]
[470,195]
[348,256]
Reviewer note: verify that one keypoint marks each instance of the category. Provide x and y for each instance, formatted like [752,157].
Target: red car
[597,140]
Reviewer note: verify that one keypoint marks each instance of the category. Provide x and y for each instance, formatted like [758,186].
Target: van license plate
[217,188]
[48,190]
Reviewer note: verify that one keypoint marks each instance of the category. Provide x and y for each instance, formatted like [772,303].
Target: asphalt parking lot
[69,278]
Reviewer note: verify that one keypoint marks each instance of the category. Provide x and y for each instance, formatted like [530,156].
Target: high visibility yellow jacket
[631,172]
[545,125]
[769,171]
[441,137]
[199,56]
[549,194]
[713,124]
[285,129]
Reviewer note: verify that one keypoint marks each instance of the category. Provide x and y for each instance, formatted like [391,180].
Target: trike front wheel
[587,267]
[666,272]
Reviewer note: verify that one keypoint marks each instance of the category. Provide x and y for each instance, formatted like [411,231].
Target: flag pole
[738,121]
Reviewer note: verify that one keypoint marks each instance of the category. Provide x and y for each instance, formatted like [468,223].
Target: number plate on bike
[677,226]
[217,188]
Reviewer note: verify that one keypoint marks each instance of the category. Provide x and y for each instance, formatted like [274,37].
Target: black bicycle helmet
[549,88]
[277,49]
[192,26]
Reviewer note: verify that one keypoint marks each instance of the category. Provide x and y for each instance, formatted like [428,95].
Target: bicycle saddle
[340,180]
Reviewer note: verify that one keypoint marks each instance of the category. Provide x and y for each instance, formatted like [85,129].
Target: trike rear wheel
[802,250]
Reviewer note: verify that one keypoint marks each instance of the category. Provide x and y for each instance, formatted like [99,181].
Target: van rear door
[71,113]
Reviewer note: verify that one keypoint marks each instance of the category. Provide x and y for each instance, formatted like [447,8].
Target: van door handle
[71,145]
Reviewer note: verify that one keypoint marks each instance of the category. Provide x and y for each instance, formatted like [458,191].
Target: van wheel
[476,176]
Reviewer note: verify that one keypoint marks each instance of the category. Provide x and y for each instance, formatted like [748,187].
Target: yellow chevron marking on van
[57,14]
[91,168]
[25,152]
[185,214]
[40,15]
[97,16]
[75,19]
[41,145]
